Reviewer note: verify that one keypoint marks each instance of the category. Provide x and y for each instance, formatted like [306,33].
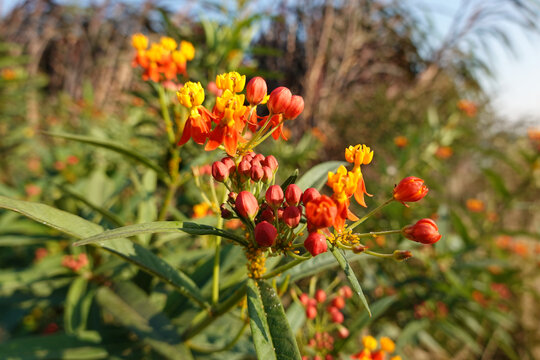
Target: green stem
[163,102]
[377,233]
[364,218]
[376,254]
[258,133]
[268,134]
[285,267]
[215,277]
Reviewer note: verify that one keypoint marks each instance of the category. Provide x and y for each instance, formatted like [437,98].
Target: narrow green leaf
[317,176]
[55,346]
[111,145]
[282,336]
[290,180]
[76,306]
[258,323]
[132,252]
[131,307]
[344,264]
[159,227]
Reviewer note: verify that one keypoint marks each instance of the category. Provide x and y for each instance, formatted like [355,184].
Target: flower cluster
[327,313]
[370,351]
[227,124]
[164,60]
[75,262]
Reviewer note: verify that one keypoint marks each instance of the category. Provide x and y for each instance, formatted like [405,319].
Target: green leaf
[111,145]
[317,176]
[131,307]
[344,264]
[159,227]
[134,253]
[258,323]
[282,336]
[290,180]
[55,346]
[77,306]
[497,182]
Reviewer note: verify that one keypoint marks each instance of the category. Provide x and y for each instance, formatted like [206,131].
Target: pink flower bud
[315,243]
[309,195]
[320,296]
[293,194]
[291,216]
[265,234]
[256,90]
[274,196]
[295,107]
[343,332]
[279,100]
[220,172]
[271,162]
[246,205]
[257,173]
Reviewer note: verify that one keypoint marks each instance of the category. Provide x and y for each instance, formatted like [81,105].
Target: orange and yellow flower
[199,121]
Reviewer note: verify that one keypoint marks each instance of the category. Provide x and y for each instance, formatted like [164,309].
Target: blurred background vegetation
[370,72]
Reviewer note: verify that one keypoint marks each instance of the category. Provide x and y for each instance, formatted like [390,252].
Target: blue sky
[515,88]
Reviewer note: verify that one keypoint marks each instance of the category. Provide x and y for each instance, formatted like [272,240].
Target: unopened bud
[315,243]
[271,162]
[358,249]
[309,195]
[293,194]
[244,169]
[320,296]
[265,234]
[256,90]
[279,100]
[257,173]
[400,255]
[291,216]
[295,108]
[220,171]
[246,205]
[268,175]
[274,196]
[225,213]
[229,162]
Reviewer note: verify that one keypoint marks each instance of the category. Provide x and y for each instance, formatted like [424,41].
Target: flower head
[321,212]
[191,95]
[232,81]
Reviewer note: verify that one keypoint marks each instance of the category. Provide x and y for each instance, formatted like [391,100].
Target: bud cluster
[329,316]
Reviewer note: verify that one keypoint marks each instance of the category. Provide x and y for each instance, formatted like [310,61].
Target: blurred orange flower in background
[475,205]
[468,107]
[401,141]
[444,152]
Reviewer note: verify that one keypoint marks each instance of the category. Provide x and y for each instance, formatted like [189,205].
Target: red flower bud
[315,243]
[220,172]
[293,194]
[229,162]
[320,295]
[257,173]
[304,298]
[425,231]
[338,302]
[271,162]
[279,100]
[231,197]
[337,317]
[400,255]
[256,90]
[310,194]
[267,215]
[291,216]
[311,312]
[246,205]
[225,213]
[274,196]
[258,157]
[321,212]
[410,189]
[265,234]
[268,174]
[244,168]
[295,108]
[346,292]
